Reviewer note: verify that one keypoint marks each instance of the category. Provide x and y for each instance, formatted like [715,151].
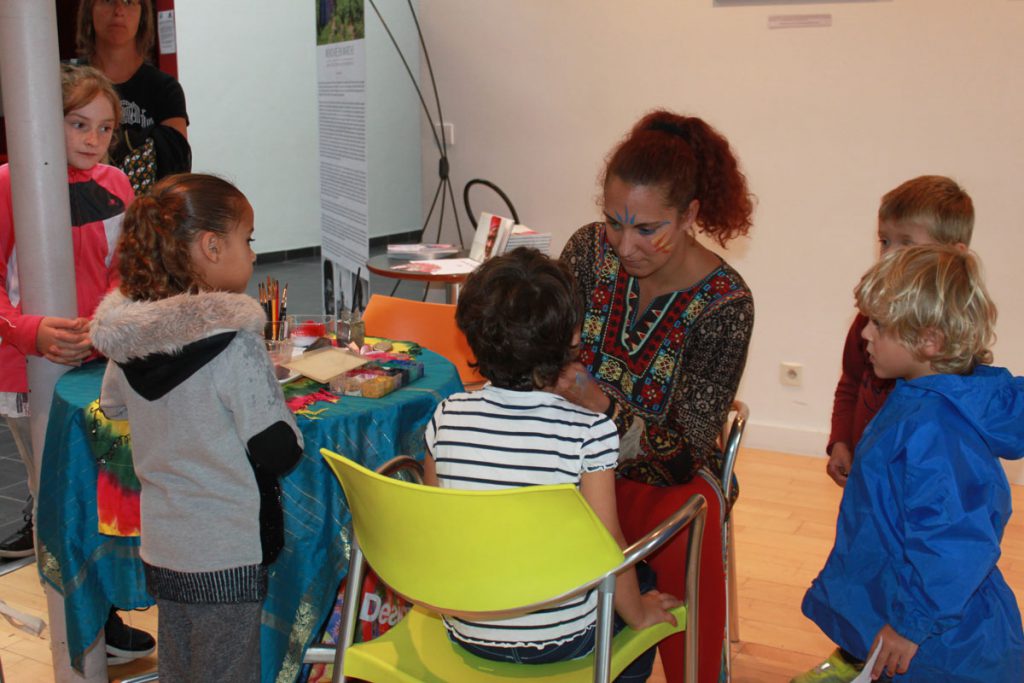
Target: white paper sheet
[865,674]
[166,33]
[451,266]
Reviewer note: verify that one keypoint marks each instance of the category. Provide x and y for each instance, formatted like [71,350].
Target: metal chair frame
[732,436]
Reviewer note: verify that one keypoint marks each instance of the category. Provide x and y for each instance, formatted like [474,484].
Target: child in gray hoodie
[211,434]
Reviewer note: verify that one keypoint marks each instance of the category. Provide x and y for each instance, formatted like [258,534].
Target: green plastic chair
[490,555]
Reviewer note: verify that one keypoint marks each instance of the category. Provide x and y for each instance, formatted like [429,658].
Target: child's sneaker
[125,643]
[18,544]
[835,669]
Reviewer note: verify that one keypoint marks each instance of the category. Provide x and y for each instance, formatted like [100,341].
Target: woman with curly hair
[665,330]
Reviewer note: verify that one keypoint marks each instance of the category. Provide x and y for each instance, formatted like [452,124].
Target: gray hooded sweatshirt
[211,435]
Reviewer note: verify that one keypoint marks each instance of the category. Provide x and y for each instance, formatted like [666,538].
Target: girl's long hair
[160,227]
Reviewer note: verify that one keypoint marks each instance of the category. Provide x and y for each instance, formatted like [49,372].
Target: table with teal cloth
[93,571]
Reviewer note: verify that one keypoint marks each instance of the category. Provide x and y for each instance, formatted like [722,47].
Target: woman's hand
[839,463]
[896,652]
[64,340]
[576,385]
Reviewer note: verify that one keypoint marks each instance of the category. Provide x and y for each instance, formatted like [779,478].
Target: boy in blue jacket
[913,570]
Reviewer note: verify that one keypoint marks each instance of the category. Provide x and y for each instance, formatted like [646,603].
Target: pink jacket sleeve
[16,330]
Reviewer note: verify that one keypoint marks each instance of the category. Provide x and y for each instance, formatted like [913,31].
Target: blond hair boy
[913,570]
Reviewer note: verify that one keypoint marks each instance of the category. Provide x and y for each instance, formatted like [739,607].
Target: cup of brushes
[274,300]
[310,331]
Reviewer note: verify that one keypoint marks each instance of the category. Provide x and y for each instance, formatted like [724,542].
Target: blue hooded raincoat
[919,529]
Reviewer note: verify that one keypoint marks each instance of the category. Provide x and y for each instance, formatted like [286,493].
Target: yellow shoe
[835,669]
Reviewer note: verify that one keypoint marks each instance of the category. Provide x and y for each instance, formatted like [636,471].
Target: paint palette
[303,330]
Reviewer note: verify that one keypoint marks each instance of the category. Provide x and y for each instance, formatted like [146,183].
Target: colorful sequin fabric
[675,365]
[117,487]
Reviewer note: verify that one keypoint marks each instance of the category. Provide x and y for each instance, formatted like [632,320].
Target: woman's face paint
[641,228]
[663,243]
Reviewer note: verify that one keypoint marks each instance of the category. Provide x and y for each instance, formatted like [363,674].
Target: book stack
[496,235]
[411,252]
[523,236]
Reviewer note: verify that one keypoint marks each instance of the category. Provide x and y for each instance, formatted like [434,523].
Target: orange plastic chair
[428,324]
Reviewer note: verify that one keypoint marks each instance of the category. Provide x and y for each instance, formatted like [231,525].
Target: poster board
[370,122]
[341,92]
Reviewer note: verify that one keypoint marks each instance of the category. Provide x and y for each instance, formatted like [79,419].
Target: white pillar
[29,71]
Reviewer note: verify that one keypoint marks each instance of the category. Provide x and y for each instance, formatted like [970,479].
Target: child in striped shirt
[520,316]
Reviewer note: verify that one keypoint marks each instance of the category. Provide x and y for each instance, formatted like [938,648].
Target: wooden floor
[785,523]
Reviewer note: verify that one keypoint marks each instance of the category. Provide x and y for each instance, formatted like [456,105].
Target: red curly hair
[689,160]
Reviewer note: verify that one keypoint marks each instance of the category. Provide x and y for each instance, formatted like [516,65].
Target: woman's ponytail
[725,202]
[690,160]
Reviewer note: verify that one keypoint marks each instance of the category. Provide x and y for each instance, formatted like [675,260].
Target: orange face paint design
[663,243]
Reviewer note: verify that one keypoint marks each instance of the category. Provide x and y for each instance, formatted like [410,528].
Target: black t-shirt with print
[147,98]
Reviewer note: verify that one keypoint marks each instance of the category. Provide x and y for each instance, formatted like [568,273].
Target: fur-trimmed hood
[123,329]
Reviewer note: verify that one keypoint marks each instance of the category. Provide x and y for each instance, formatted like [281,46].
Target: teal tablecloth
[93,571]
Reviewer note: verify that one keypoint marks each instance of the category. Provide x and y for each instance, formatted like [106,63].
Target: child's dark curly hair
[689,160]
[519,313]
[160,226]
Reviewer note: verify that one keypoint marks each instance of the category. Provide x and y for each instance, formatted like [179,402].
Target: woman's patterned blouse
[672,368]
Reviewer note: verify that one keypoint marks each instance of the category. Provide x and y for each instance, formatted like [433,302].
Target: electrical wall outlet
[791,374]
[448,131]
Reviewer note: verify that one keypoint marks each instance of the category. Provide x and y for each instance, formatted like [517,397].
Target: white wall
[249,74]
[393,116]
[824,120]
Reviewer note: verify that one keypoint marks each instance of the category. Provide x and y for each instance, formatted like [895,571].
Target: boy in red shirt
[928,209]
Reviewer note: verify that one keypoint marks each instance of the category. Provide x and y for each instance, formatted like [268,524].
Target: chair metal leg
[732,435]
[732,612]
[732,591]
[325,654]
[603,637]
[693,553]
[350,609]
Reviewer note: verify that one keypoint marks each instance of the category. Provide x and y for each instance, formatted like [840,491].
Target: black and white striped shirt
[497,439]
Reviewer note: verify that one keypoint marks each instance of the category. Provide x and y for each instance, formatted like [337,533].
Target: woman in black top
[116,36]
